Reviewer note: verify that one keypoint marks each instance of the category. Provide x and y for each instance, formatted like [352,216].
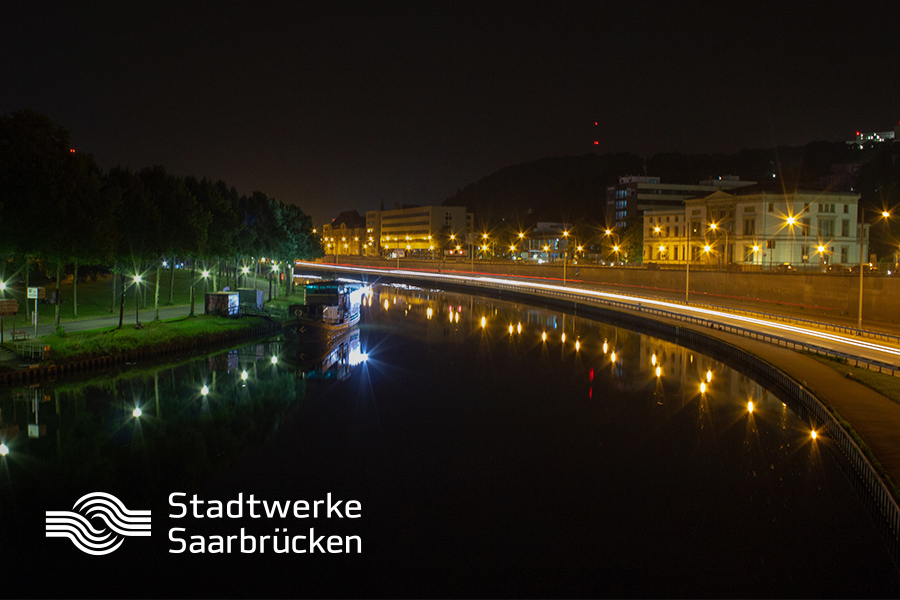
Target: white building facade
[752,227]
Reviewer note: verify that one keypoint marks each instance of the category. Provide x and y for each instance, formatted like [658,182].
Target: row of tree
[60,211]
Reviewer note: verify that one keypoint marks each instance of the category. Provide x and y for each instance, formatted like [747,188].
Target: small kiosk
[224,304]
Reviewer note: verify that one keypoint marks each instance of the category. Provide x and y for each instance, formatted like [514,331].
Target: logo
[118,522]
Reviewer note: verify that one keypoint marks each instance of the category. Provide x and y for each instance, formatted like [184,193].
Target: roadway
[878,350]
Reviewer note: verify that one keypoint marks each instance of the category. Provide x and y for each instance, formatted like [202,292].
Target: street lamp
[791,221]
[137,304]
[715,227]
[862,234]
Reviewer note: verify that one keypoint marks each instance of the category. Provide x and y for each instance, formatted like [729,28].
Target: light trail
[879,350]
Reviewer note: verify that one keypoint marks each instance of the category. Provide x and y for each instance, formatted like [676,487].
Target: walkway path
[148,314]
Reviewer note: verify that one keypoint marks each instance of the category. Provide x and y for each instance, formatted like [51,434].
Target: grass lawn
[102,342]
[95,298]
[298,297]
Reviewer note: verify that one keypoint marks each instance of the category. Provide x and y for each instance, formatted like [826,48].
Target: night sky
[334,106]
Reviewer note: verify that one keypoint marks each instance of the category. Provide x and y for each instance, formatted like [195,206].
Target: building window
[845,228]
[770,244]
[846,209]
[748,253]
[843,254]
[826,227]
[749,226]
[771,207]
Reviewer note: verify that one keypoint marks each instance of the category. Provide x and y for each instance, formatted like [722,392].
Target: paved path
[148,314]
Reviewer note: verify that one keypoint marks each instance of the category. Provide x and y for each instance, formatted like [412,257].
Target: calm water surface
[491,458]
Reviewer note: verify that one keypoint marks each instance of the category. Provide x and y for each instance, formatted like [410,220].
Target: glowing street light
[137,412]
[204,390]
[274,360]
[244,375]
[137,304]
[4,449]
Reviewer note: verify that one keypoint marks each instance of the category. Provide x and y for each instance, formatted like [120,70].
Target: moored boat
[331,308]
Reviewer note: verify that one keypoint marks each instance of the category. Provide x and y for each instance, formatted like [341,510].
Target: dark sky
[334,106]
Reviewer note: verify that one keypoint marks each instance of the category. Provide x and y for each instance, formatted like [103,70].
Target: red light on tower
[596,123]
[72,150]
[596,143]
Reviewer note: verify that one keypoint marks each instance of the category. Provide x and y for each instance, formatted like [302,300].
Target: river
[489,456]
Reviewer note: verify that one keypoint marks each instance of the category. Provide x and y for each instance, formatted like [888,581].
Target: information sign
[8,308]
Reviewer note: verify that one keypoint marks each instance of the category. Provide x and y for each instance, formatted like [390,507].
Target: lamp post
[715,227]
[137,303]
[790,222]
[862,234]
[820,250]
[862,238]
[687,263]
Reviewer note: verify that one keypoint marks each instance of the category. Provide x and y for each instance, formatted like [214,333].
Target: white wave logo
[119,522]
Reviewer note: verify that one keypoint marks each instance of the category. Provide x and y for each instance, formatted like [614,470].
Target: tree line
[60,212]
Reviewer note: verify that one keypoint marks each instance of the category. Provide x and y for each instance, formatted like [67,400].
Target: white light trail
[671,306]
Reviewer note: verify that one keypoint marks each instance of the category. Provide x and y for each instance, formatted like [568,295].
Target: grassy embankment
[112,341]
[95,300]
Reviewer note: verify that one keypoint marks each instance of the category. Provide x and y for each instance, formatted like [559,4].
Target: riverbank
[63,354]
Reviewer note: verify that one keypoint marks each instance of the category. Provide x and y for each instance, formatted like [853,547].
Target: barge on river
[331,309]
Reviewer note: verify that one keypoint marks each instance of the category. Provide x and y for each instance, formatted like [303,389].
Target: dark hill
[573,188]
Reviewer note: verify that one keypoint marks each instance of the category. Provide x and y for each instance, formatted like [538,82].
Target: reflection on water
[496,448]
[630,464]
[133,433]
